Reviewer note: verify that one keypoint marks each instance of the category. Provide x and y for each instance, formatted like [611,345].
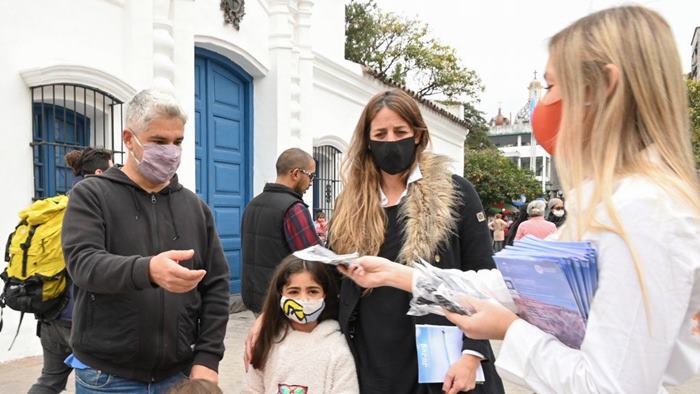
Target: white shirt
[414,176]
[620,353]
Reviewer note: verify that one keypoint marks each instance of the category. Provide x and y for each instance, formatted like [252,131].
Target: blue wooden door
[223,119]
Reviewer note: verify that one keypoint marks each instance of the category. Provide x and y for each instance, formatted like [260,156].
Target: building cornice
[80,75]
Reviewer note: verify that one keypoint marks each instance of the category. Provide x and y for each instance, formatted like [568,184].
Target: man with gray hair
[152,282]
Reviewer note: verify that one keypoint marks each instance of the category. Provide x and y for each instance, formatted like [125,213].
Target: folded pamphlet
[438,348]
[326,256]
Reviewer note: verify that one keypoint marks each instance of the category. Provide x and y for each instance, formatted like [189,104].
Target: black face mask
[393,157]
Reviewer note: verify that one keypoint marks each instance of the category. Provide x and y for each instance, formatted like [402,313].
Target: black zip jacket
[122,323]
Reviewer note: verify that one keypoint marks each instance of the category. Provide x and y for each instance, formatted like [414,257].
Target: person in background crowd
[536,225]
[55,333]
[557,213]
[276,223]
[321,226]
[513,228]
[498,225]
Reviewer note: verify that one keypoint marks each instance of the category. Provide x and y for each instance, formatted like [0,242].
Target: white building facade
[515,140]
[280,80]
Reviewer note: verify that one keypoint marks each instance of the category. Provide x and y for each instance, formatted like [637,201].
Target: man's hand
[462,375]
[165,271]
[250,340]
[202,372]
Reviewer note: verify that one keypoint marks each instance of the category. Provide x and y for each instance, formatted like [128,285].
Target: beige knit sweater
[318,362]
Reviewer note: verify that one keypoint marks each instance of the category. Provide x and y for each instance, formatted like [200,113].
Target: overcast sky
[506,40]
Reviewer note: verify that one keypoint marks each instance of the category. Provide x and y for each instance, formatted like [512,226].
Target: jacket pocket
[187,334]
[112,331]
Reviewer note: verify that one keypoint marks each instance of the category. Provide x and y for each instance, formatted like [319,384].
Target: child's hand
[250,340]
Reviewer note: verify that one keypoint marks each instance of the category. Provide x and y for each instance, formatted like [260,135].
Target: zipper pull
[153,199]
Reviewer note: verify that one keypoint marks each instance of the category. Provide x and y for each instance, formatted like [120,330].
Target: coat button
[437,258]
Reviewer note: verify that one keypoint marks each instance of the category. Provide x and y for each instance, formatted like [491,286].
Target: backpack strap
[9,240]
[25,248]
[21,317]
[2,308]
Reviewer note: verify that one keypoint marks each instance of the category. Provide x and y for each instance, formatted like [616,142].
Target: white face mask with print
[302,311]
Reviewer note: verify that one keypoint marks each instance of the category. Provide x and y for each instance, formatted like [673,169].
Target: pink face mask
[159,162]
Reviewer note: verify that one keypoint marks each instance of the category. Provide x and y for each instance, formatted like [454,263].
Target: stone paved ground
[17,376]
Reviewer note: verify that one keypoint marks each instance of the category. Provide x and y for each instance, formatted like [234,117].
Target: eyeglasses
[311,175]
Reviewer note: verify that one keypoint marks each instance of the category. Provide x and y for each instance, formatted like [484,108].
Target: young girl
[300,349]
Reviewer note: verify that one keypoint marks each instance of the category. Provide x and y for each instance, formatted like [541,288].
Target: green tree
[397,48]
[497,179]
[694,110]
[478,137]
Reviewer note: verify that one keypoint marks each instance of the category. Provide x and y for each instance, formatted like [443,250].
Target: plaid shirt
[299,229]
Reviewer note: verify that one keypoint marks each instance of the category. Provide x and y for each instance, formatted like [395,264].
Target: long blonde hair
[605,132]
[359,221]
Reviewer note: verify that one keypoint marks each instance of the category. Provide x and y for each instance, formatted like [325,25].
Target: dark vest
[263,242]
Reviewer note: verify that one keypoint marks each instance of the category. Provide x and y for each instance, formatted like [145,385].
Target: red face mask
[545,124]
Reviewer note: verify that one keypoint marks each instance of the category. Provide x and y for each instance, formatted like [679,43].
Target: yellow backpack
[35,277]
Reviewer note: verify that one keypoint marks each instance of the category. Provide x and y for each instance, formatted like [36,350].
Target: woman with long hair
[616,115]
[401,202]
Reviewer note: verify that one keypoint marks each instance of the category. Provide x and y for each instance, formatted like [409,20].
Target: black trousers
[55,341]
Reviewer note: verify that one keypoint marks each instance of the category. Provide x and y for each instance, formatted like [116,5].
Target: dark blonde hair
[358,219]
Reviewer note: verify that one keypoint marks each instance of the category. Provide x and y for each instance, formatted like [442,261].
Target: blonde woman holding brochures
[616,115]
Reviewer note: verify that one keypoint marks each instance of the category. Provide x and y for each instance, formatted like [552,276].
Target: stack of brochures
[552,284]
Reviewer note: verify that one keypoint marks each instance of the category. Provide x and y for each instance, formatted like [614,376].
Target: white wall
[98,42]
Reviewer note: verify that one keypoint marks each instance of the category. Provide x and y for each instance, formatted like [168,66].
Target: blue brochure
[552,284]
[438,348]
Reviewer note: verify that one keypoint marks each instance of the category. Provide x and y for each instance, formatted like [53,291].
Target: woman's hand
[490,321]
[462,375]
[373,271]
[250,340]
